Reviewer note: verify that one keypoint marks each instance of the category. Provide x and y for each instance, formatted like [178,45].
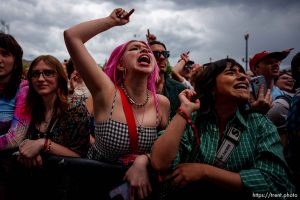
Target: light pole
[246,38]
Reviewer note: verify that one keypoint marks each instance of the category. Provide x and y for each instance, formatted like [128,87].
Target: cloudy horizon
[209,29]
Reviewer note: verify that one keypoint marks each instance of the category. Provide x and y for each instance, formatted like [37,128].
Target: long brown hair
[9,43]
[34,100]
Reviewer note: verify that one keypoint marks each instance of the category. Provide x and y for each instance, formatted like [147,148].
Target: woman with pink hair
[128,112]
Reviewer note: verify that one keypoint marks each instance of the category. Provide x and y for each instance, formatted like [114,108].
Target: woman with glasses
[127,83]
[285,81]
[221,149]
[57,127]
[282,104]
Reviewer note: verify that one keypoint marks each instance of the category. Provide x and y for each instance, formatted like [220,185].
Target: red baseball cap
[264,54]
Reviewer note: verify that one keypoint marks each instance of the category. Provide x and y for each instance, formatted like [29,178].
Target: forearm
[86,30]
[60,150]
[75,37]
[177,69]
[226,179]
[14,137]
[165,148]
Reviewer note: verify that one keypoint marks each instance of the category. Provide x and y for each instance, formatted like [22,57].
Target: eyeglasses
[46,74]
[157,54]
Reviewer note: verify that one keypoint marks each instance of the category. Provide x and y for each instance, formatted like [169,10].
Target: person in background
[166,85]
[295,66]
[14,121]
[57,127]
[268,64]
[281,105]
[78,92]
[285,81]
[127,83]
[184,70]
[293,125]
[222,150]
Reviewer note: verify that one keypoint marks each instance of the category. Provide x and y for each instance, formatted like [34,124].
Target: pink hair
[115,75]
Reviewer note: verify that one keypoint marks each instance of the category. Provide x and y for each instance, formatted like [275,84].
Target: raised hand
[150,37]
[263,103]
[188,103]
[120,16]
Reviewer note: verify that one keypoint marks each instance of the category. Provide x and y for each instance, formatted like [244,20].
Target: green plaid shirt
[258,157]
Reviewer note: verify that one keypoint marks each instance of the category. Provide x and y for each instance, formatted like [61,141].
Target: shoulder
[163,104]
[163,100]
[275,91]
[259,121]
[255,116]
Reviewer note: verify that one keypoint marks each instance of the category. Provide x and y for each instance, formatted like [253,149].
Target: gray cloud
[208,29]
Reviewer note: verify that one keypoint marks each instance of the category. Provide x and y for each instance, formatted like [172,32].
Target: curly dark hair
[9,43]
[206,82]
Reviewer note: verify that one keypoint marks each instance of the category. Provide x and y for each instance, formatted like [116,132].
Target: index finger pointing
[128,14]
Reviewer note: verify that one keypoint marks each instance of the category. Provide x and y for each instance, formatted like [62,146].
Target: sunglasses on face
[157,54]
[46,74]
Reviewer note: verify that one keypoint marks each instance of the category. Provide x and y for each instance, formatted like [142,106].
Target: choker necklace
[132,101]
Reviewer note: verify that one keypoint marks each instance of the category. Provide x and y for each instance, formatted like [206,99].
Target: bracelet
[148,157]
[49,146]
[182,113]
[45,146]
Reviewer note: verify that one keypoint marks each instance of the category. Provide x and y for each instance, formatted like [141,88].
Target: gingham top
[112,139]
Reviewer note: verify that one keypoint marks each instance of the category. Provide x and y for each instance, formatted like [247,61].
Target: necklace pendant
[141,130]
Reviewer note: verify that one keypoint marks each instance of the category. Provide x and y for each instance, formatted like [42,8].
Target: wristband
[148,157]
[183,114]
[49,146]
[45,146]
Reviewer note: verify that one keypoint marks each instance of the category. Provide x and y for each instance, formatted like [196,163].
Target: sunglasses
[46,74]
[157,54]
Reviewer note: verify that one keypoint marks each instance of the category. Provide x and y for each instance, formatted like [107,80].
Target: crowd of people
[201,130]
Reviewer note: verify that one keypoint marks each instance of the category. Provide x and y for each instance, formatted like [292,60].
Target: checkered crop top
[112,139]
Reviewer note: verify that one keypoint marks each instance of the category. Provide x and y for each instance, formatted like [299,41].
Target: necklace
[140,124]
[43,126]
[132,101]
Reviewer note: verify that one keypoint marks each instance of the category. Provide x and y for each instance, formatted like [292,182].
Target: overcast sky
[207,28]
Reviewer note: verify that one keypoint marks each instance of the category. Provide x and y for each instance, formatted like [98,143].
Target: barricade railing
[64,178]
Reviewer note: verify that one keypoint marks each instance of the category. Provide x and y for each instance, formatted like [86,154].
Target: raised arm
[178,68]
[166,146]
[96,80]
